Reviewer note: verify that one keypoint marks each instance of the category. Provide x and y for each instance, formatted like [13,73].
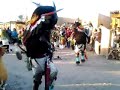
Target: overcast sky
[11,9]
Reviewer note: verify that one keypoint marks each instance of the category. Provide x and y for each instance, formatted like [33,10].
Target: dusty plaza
[97,73]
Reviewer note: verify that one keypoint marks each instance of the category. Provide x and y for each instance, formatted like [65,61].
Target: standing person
[37,41]
[68,34]
[20,35]
[14,36]
[89,32]
[80,37]
[8,31]
[98,41]
[5,39]
[62,38]
[92,41]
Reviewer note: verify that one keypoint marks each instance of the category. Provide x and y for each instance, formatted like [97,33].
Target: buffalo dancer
[37,42]
[80,37]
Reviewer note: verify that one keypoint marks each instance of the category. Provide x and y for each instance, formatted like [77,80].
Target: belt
[38,56]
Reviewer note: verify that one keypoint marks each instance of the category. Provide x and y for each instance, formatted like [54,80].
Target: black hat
[49,22]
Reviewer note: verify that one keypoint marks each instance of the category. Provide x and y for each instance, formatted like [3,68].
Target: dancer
[38,45]
[80,37]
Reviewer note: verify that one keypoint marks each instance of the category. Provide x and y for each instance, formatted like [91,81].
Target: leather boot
[36,85]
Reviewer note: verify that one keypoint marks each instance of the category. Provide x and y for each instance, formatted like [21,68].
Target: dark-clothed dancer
[37,41]
[80,37]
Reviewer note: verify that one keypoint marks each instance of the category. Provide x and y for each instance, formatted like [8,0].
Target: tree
[21,18]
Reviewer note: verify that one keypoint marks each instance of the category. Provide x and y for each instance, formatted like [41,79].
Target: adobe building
[110,23]
[105,34]
[115,16]
[105,19]
[115,24]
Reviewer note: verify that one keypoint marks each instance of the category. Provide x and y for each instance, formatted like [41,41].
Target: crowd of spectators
[61,36]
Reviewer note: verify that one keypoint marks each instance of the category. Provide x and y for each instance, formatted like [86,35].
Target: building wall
[105,20]
[105,41]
